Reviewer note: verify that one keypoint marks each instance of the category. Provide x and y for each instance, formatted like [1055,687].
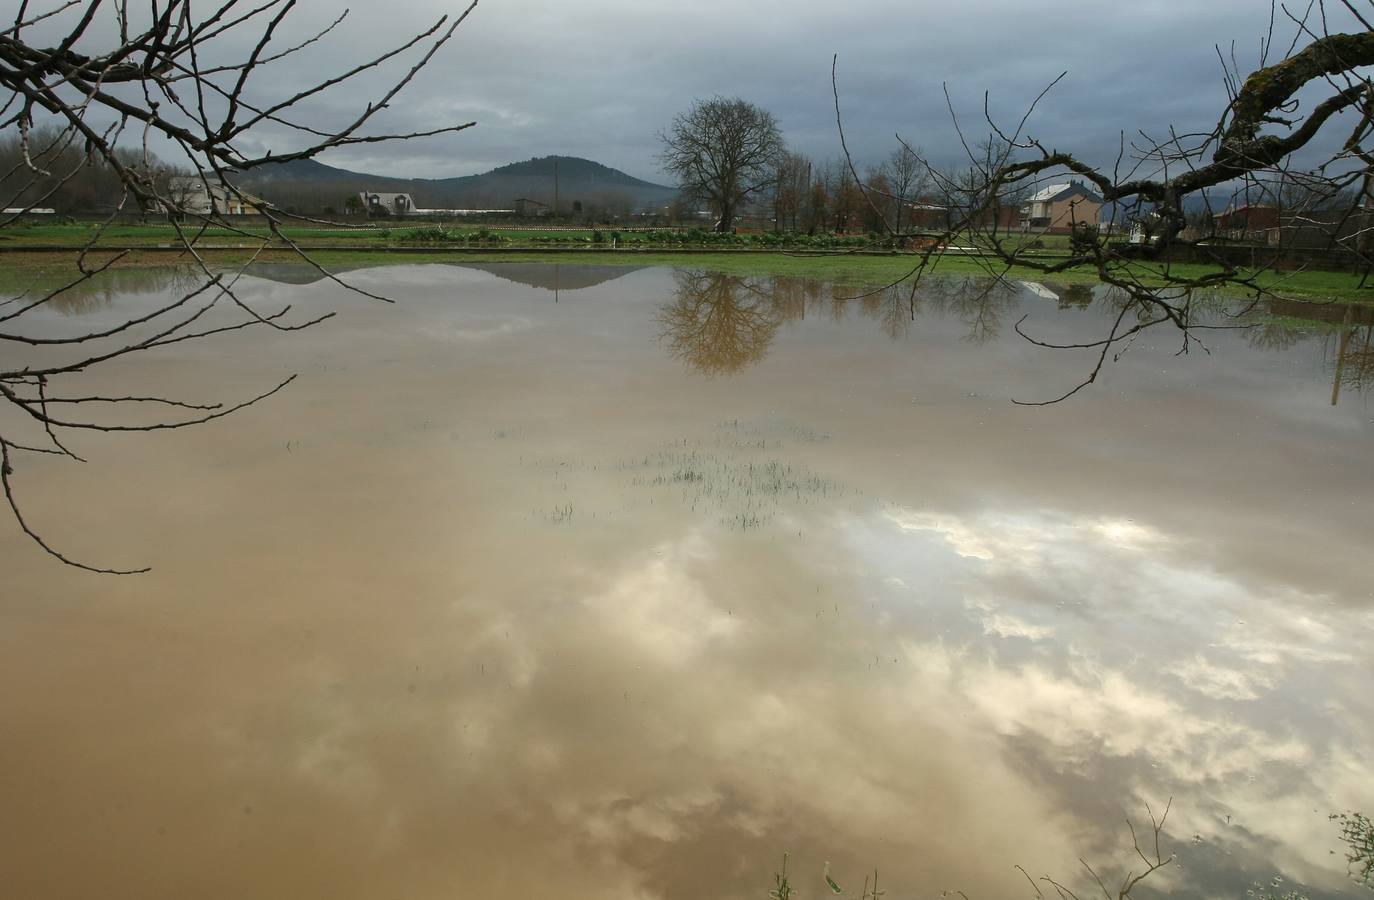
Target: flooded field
[594,582]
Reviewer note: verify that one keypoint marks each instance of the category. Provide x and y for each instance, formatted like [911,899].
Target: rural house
[1058,207]
[1247,217]
[197,196]
[527,208]
[382,205]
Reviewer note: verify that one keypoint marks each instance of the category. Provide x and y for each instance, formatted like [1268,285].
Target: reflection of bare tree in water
[894,307]
[98,293]
[720,323]
[1348,347]
[1275,336]
[1354,360]
[1075,296]
[83,93]
[981,303]
[792,296]
[897,311]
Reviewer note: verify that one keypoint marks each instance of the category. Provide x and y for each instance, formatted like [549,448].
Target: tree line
[730,157]
[47,168]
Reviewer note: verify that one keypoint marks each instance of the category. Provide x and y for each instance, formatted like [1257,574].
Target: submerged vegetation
[1357,832]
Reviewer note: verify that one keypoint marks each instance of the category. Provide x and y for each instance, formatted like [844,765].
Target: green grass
[379,233]
[355,247]
[134,235]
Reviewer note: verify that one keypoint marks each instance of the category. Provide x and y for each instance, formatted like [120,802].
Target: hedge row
[696,237]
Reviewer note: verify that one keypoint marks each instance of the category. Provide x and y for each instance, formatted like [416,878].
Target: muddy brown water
[586,582]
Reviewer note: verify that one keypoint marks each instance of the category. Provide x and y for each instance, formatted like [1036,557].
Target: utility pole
[555,188]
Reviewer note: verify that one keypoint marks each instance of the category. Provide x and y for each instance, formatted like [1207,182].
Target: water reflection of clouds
[473,328]
[1167,682]
[1077,703]
[1024,539]
[618,718]
[658,606]
[624,705]
[759,742]
[1222,682]
[1008,626]
[1130,566]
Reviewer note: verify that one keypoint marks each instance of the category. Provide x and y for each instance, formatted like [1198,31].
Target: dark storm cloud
[601,78]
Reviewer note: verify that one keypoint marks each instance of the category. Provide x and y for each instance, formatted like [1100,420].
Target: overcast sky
[601,78]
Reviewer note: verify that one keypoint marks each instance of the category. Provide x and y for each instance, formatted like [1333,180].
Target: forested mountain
[580,184]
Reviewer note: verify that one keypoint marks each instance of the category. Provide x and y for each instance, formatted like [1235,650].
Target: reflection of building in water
[1040,290]
[1065,296]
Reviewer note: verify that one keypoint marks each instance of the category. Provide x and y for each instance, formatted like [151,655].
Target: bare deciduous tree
[791,186]
[908,179]
[1301,125]
[90,88]
[724,151]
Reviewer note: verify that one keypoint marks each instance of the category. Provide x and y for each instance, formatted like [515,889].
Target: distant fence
[1283,259]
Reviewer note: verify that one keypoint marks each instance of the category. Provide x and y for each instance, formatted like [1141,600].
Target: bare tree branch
[86,121]
[1271,146]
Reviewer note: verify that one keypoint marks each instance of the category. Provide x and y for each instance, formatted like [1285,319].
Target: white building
[380,204]
[196,196]
[1059,207]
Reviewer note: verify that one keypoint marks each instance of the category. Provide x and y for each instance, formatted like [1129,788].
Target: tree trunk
[727,218]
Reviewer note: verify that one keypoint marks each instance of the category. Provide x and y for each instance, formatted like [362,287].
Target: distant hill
[309,170]
[309,186]
[551,277]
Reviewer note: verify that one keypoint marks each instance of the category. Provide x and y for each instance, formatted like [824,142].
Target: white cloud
[658,606]
[1222,683]
[1009,626]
